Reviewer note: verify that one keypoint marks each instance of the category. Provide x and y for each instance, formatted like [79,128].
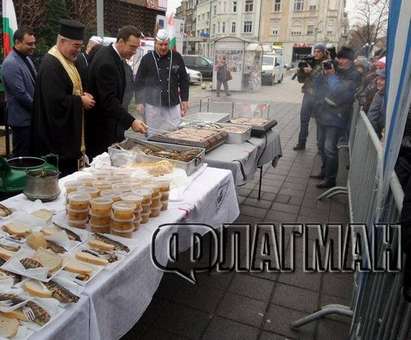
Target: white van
[272,69]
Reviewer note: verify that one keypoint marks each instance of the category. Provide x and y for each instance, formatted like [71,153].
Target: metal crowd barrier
[379,312]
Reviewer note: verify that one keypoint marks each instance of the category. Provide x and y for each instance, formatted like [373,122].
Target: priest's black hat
[71,29]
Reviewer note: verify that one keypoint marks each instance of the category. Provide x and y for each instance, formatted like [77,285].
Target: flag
[171,27]
[9,26]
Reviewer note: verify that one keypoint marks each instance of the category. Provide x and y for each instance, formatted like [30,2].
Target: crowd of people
[332,81]
[74,104]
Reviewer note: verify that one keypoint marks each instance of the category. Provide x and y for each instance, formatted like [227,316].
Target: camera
[328,65]
[306,61]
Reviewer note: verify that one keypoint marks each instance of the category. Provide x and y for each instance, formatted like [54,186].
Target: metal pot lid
[22,163]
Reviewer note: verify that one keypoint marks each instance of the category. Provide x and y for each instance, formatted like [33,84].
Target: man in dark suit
[19,75]
[108,121]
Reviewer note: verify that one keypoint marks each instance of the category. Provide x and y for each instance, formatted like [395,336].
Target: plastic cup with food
[92,191]
[123,233]
[71,186]
[104,229]
[100,220]
[79,200]
[123,210]
[132,198]
[77,215]
[145,217]
[146,194]
[122,224]
[78,224]
[155,211]
[101,206]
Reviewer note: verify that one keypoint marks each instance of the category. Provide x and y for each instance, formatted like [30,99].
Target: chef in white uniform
[162,87]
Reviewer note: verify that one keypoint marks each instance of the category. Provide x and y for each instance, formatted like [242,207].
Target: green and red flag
[171,28]
[9,25]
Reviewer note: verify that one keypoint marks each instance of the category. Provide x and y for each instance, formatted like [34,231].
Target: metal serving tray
[207,117]
[258,130]
[233,137]
[236,137]
[209,144]
[128,144]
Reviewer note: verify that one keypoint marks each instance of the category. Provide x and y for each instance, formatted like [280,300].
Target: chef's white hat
[162,35]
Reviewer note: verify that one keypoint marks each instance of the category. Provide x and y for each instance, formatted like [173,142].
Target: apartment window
[223,28]
[298,5]
[275,32]
[215,9]
[249,4]
[310,30]
[224,7]
[213,28]
[248,26]
[295,33]
[233,27]
[218,27]
[277,5]
[198,18]
[235,6]
[330,32]
[313,7]
[203,16]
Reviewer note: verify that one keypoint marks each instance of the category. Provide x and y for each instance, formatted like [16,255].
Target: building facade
[187,11]
[297,25]
[140,13]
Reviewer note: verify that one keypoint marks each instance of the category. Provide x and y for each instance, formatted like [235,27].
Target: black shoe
[320,176]
[326,185]
[299,147]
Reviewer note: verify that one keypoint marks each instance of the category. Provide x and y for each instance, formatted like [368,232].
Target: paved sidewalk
[260,306]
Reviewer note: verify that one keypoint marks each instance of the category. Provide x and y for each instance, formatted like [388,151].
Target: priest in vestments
[60,102]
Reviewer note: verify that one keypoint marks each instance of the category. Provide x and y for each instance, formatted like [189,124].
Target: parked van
[272,69]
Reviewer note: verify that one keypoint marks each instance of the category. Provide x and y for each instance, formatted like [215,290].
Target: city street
[260,305]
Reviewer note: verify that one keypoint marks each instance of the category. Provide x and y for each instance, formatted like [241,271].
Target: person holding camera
[308,70]
[339,82]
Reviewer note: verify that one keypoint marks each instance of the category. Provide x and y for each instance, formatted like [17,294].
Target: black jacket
[108,120]
[152,85]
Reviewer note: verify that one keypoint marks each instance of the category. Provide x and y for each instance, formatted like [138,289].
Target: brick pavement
[260,305]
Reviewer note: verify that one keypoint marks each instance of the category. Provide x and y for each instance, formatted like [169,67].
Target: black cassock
[57,117]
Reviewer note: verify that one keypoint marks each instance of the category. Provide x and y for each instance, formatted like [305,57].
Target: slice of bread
[15,314]
[74,266]
[35,288]
[8,326]
[48,231]
[89,258]
[36,240]
[17,229]
[43,214]
[100,245]
[48,259]
[6,254]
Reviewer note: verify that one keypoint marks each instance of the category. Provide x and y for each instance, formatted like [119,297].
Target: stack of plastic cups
[155,199]
[100,214]
[164,185]
[146,195]
[137,201]
[122,219]
[77,209]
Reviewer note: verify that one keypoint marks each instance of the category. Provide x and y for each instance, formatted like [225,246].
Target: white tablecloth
[244,159]
[113,302]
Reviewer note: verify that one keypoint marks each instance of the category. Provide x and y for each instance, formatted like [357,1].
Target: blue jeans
[307,110]
[328,137]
